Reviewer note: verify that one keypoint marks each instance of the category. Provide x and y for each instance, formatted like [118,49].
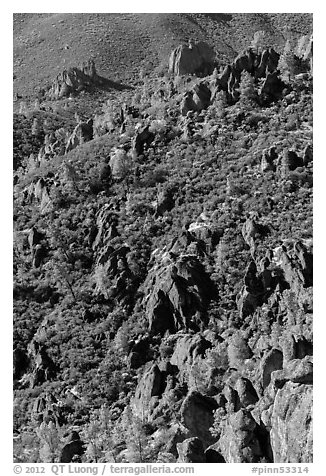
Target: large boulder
[189,349]
[238,442]
[143,138]
[191,451]
[73,447]
[196,58]
[197,416]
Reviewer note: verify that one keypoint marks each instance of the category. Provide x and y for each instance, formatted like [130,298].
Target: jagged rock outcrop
[47,408]
[254,290]
[73,80]
[196,99]
[296,263]
[42,367]
[106,227]
[258,65]
[39,190]
[191,451]
[112,274]
[194,58]
[83,132]
[252,229]
[180,291]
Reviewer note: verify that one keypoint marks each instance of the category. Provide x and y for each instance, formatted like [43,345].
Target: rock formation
[180,293]
[195,58]
[73,81]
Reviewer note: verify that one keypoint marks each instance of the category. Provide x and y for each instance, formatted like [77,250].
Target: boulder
[73,447]
[212,454]
[191,451]
[194,58]
[197,416]
[188,104]
[272,87]
[291,424]
[238,442]
[268,160]
[189,350]
[246,392]
[144,137]
[164,202]
[201,96]
[296,371]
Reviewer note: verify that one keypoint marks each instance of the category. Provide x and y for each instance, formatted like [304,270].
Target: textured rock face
[144,137]
[83,132]
[271,362]
[74,447]
[189,348]
[191,59]
[191,451]
[151,384]
[291,432]
[180,293]
[296,371]
[238,442]
[73,80]
[197,416]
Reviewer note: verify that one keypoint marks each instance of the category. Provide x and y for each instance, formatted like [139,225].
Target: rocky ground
[163,245]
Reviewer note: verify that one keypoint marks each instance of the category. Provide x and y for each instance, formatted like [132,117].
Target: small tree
[49,442]
[287,62]
[248,94]
[135,437]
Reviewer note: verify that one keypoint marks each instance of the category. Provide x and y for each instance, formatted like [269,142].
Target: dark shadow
[107,84]
[193,21]
[219,17]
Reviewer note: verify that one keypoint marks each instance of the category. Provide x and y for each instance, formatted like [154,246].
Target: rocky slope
[123,44]
[163,254]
